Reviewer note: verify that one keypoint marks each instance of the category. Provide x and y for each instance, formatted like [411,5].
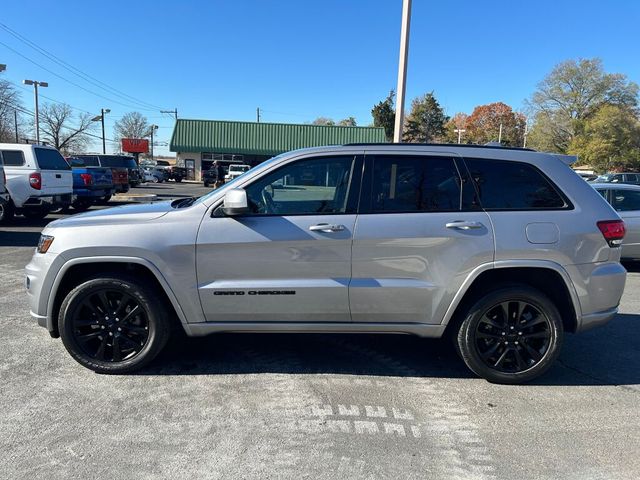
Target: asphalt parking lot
[310,406]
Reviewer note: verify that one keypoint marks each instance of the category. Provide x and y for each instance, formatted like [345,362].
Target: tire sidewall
[466,341]
[158,329]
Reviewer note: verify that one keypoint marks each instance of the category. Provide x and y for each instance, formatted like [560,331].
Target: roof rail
[462,145]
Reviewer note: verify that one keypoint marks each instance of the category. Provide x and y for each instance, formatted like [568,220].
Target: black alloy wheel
[114,324]
[510,335]
[513,336]
[110,325]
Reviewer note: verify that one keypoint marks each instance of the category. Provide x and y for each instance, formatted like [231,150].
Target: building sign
[135,145]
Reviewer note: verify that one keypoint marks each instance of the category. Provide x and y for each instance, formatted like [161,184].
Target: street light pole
[36,84]
[459,131]
[100,118]
[402,70]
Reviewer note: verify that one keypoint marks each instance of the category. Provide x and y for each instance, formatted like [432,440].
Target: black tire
[6,212]
[206,184]
[81,205]
[510,335]
[104,200]
[83,328]
[178,179]
[35,213]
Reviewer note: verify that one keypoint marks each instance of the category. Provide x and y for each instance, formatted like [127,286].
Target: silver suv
[503,250]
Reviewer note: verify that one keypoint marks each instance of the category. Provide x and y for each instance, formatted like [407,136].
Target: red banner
[135,145]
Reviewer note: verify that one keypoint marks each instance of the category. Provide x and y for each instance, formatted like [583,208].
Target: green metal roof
[250,138]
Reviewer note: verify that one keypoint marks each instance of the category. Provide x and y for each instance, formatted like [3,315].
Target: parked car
[154,174]
[625,200]
[4,193]
[177,174]
[630,178]
[475,243]
[124,169]
[235,170]
[38,180]
[91,185]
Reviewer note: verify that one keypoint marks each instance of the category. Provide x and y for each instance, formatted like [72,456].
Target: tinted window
[415,184]
[313,186]
[117,161]
[49,159]
[617,178]
[14,158]
[88,160]
[603,193]
[626,200]
[505,185]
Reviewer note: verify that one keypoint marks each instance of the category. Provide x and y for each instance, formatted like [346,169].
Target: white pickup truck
[38,179]
[235,171]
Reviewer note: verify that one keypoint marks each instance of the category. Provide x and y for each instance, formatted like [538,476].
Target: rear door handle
[326,228]
[464,225]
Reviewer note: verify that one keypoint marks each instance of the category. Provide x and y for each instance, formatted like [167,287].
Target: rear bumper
[95,192]
[596,319]
[50,201]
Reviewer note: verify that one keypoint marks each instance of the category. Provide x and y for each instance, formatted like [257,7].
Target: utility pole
[173,112]
[15,122]
[402,70]
[258,114]
[459,131]
[36,84]
[500,135]
[153,129]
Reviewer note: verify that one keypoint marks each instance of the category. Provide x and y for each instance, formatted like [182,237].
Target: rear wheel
[207,184]
[113,324]
[81,205]
[35,213]
[178,179]
[6,212]
[511,335]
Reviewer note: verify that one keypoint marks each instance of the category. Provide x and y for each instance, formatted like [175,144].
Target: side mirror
[235,202]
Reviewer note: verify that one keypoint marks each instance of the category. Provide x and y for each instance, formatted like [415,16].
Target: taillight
[35,180]
[613,231]
[87,178]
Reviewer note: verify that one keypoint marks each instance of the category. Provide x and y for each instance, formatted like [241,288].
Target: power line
[76,71]
[72,82]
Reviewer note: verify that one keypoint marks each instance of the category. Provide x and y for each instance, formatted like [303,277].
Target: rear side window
[13,158]
[49,159]
[414,184]
[626,200]
[115,161]
[507,185]
[89,160]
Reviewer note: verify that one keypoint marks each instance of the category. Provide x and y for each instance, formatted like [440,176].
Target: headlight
[44,243]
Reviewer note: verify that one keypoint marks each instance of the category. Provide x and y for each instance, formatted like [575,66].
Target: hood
[126,214]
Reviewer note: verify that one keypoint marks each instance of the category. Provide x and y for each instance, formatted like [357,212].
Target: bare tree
[132,125]
[9,103]
[62,130]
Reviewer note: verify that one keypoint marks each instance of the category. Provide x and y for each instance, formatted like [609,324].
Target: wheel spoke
[100,353]
[536,320]
[102,295]
[117,354]
[489,335]
[91,307]
[135,345]
[130,314]
[135,329]
[501,358]
[520,361]
[124,301]
[486,355]
[535,355]
[504,306]
[85,337]
[85,323]
[489,321]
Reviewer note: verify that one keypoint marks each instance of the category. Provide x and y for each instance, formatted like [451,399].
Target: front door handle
[326,228]
[464,225]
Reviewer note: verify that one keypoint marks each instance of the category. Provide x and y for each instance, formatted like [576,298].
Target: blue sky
[297,60]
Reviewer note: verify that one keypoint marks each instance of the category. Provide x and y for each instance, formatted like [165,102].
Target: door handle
[326,228]
[464,225]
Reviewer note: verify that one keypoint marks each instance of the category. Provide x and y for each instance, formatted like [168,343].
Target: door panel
[413,244]
[289,260]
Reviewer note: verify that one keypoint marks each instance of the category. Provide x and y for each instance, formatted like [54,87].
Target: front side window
[414,184]
[306,187]
[507,185]
[13,158]
[626,200]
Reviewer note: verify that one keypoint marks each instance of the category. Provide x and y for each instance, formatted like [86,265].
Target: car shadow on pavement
[609,355]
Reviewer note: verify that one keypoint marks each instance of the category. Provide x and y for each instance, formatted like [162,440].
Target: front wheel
[6,212]
[511,335]
[113,324]
[81,205]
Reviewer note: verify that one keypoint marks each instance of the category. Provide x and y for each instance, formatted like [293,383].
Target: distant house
[198,143]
